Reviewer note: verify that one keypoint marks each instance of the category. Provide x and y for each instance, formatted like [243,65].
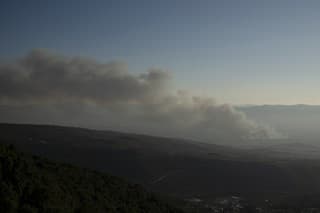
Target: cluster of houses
[235,204]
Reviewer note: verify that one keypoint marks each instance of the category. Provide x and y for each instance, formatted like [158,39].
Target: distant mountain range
[299,122]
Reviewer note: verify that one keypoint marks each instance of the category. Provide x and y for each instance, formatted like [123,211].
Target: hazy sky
[240,51]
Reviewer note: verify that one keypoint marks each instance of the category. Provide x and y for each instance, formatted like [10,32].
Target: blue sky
[241,52]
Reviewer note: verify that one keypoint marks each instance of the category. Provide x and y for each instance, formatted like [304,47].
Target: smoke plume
[49,88]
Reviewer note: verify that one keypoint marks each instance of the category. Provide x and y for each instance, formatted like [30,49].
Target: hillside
[172,167]
[32,184]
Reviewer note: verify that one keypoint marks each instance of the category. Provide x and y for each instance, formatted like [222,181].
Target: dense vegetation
[33,184]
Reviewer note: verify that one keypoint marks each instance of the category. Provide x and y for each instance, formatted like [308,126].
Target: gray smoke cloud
[50,88]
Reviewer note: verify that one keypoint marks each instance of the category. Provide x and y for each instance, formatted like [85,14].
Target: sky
[239,52]
[168,68]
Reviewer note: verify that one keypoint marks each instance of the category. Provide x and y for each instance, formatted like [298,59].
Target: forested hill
[33,184]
